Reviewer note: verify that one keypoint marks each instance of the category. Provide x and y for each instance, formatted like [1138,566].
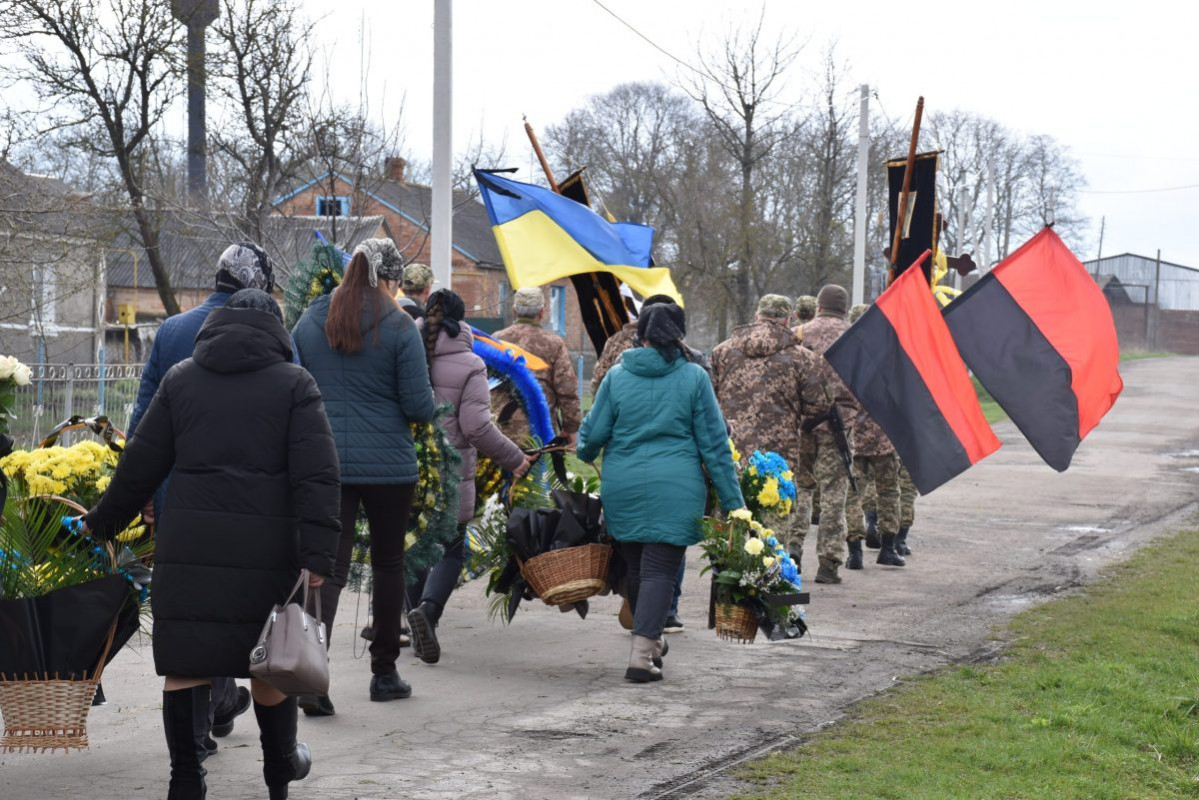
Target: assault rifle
[836,426]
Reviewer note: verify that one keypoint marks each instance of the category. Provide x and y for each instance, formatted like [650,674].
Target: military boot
[887,554]
[872,540]
[901,542]
[827,573]
[855,555]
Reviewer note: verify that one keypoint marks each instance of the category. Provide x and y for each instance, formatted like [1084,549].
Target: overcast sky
[1116,82]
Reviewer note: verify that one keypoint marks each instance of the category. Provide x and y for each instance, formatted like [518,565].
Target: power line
[1140,191]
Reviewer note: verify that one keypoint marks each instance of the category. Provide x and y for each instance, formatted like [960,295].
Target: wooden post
[908,171]
[545,165]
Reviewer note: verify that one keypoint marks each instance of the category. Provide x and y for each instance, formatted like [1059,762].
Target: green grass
[1138,355]
[991,409]
[1097,698]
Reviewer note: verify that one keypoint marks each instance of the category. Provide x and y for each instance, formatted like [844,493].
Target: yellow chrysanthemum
[754,546]
[741,514]
[769,496]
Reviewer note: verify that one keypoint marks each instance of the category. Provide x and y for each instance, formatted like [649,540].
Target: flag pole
[545,165]
[908,170]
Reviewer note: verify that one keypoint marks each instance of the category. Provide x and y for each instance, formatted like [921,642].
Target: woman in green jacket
[657,421]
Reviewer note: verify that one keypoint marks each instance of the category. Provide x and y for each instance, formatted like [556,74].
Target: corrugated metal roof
[1177,284]
[191,252]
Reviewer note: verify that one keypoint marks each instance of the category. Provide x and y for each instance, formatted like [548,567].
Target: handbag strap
[302,583]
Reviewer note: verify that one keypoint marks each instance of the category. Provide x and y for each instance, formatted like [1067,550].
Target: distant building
[478,269]
[1174,287]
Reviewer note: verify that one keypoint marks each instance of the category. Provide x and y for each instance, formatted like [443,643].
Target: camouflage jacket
[818,336]
[622,340]
[868,437]
[559,381]
[767,383]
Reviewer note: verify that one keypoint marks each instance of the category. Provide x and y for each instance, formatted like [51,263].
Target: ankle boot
[827,573]
[422,621]
[185,722]
[872,540]
[641,665]
[901,542]
[855,555]
[283,758]
[887,554]
[661,648]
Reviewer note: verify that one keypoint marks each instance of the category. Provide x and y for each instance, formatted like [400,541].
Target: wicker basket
[48,713]
[565,576]
[736,624]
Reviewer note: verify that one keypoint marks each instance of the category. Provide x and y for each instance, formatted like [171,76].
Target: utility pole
[1102,225]
[443,84]
[197,15]
[989,222]
[960,234]
[859,217]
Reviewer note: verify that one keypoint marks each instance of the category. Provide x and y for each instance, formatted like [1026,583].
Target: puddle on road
[1190,469]
[1083,529]
[1184,454]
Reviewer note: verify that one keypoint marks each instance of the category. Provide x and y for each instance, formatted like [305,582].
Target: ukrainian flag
[544,236]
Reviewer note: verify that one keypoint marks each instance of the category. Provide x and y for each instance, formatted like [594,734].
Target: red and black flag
[1039,336]
[920,228]
[900,362]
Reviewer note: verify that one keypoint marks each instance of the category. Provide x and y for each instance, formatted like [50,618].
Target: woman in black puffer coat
[253,498]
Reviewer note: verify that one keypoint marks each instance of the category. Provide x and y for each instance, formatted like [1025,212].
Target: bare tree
[262,78]
[738,88]
[106,70]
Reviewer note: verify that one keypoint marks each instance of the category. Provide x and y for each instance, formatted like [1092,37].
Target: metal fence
[60,391]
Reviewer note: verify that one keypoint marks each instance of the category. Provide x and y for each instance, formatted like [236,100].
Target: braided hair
[444,310]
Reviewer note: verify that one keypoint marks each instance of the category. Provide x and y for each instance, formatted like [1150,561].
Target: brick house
[478,271]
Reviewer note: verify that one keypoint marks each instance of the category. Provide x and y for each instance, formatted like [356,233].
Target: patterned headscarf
[384,259]
[244,266]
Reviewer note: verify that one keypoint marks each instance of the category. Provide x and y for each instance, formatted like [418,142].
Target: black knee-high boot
[185,723]
[283,758]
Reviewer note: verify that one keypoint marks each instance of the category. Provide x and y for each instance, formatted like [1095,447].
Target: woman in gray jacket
[459,377]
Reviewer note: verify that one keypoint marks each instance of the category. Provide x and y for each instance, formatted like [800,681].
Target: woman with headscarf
[368,359]
[253,498]
[459,378]
[658,424]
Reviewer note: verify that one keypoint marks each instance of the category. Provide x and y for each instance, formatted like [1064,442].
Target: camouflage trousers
[805,479]
[828,475]
[866,489]
[907,498]
[881,473]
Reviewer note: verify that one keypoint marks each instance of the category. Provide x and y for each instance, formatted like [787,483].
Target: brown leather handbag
[291,654]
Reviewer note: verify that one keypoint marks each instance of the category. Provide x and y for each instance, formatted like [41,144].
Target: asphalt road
[538,709]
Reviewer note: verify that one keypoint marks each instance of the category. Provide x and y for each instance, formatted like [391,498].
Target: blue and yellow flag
[544,236]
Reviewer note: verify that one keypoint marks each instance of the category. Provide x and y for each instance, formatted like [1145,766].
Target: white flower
[754,525]
[8,365]
[754,546]
[768,561]
[22,376]
[741,514]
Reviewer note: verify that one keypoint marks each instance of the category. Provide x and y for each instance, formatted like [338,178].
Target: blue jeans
[678,588]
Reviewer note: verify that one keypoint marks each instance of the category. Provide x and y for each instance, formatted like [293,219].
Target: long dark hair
[343,326]
[444,310]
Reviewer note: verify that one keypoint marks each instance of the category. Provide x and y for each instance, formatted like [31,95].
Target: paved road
[539,709]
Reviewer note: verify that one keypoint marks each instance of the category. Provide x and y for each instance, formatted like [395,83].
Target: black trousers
[387,507]
[649,582]
[437,584]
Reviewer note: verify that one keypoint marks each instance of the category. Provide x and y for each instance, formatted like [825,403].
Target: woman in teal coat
[657,421]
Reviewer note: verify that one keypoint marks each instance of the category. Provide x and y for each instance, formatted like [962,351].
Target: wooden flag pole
[908,170]
[545,165]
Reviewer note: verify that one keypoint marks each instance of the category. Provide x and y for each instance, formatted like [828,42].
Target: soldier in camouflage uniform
[907,510]
[767,384]
[617,343]
[805,311]
[558,381]
[818,335]
[874,464]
